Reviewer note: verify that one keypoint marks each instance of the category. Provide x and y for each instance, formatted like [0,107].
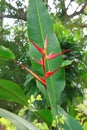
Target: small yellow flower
[62,119]
[39,97]
[54,123]
[32,98]
[29,101]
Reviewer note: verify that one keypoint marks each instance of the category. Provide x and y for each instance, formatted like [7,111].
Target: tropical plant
[49,74]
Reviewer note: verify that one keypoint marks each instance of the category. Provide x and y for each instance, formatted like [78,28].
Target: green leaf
[40,26]
[46,115]
[6,53]
[11,91]
[66,62]
[19,122]
[69,123]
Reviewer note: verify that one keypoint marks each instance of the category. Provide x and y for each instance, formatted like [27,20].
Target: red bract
[32,73]
[42,62]
[37,47]
[51,56]
[38,61]
[49,73]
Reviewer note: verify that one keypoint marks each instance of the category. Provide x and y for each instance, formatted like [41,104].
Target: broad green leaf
[11,91]
[6,53]
[19,122]
[66,62]
[70,123]
[46,115]
[40,26]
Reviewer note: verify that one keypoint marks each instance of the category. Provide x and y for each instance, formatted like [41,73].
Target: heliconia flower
[38,61]
[49,73]
[42,62]
[51,56]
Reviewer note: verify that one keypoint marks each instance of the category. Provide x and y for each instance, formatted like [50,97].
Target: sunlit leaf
[6,53]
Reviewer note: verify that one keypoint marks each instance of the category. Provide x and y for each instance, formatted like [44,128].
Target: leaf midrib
[38,14]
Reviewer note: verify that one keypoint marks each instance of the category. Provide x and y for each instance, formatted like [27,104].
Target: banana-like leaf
[69,122]
[6,53]
[19,122]
[12,92]
[40,26]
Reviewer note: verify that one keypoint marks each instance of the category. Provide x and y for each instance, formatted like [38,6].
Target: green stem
[54,110]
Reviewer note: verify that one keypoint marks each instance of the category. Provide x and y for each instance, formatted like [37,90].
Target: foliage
[72,92]
[51,83]
[15,38]
[81,116]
